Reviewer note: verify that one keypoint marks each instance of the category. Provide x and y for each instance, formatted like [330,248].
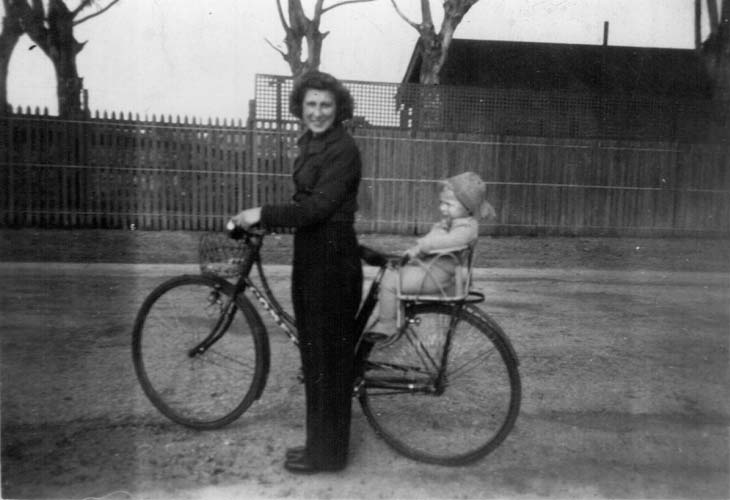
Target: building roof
[554,66]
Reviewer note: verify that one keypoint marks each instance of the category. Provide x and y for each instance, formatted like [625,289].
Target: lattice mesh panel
[498,111]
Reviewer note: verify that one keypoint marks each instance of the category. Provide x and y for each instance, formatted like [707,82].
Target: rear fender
[494,326]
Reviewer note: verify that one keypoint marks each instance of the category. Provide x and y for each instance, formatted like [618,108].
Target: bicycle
[444,390]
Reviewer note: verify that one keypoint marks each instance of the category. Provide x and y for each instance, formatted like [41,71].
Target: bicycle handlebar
[237,232]
[369,255]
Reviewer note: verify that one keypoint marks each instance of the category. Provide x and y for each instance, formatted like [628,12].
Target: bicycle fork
[225,318]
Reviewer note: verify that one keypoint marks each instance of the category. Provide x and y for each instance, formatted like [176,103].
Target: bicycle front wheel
[440,397]
[200,359]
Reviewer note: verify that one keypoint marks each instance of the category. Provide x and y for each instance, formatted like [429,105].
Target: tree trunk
[68,83]
[54,35]
[432,58]
[716,53]
[302,28]
[434,46]
[723,53]
[11,33]
[63,51]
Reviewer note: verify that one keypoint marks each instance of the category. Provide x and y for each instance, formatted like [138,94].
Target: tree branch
[403,16]
[426,17]
[283,54]
[32,19]
[281,15]
[81,7]
[298,21]
[38,7]
[109,6]
[317,12]
[343,3]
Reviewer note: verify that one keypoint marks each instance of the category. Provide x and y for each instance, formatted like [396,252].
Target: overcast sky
[199,57]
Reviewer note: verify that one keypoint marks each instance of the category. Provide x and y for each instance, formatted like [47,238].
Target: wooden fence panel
[539,186]
[166,175]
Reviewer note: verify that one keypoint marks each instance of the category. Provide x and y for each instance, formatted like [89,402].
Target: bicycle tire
[209,390]
[480,400]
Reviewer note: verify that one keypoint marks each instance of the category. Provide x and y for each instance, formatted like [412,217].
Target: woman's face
[318,110]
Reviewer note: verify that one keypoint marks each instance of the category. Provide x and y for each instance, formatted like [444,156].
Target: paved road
[625,395]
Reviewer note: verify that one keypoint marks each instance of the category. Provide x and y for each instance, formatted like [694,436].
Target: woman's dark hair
[316,80]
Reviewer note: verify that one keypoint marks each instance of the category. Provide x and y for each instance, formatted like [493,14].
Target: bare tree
[717,48]
[299,28]
[52,29]
[12,30]
[434,47]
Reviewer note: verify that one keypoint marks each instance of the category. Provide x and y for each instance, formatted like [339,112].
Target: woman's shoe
[300,465]
[295,452]
[303,465]
[376,337]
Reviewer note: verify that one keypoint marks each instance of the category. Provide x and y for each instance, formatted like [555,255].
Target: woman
[326,274]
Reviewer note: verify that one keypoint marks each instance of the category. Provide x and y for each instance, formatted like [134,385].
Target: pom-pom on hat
[471,192]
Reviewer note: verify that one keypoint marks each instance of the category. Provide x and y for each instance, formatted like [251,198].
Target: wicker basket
[222,256]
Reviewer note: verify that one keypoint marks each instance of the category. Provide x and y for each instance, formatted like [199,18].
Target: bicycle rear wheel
[202,390]
[449,421]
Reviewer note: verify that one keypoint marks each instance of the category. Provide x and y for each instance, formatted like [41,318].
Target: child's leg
[414,280]
[388,303]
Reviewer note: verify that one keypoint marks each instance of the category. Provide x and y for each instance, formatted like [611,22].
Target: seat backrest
[462,279]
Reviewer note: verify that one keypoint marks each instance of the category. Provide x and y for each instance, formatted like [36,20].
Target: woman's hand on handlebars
[247,218]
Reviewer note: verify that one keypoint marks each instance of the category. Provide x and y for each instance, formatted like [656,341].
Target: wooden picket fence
[116,172]
[552,186]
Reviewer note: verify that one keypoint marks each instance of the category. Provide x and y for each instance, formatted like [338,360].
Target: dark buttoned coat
[326,283]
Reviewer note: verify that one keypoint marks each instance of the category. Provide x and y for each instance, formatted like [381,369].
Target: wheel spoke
[470,364]
[421,350]
[212,355]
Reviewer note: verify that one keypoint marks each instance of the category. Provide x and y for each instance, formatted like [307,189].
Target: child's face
[451,207]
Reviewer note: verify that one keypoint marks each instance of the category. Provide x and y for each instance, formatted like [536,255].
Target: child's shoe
[381,331]
[376,337]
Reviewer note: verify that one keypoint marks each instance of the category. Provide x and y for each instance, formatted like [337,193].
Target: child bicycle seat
[461,259]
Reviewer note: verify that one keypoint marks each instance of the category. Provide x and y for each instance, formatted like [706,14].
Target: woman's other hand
[248,217]
[412,252]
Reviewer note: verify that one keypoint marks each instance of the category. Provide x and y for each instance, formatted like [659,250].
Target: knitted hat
[471,192]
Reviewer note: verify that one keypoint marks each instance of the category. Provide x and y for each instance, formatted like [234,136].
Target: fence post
[252,184]
[8,200]
[248,156]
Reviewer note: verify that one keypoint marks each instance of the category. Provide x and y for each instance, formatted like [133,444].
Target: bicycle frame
[442,343]
[434,385]
[266,298]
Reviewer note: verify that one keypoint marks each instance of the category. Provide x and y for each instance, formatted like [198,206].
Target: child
[461,203]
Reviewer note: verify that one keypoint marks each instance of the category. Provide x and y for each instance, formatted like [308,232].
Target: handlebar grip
[235,231]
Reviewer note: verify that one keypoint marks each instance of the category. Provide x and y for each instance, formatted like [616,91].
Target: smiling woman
[326,271]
